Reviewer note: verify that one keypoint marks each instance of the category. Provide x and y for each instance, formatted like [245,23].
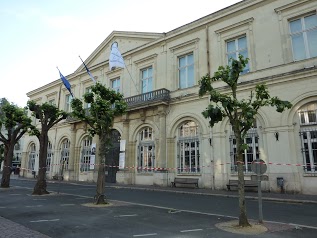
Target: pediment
[127,41]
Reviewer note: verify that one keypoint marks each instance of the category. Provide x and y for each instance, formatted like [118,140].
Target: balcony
[151,98]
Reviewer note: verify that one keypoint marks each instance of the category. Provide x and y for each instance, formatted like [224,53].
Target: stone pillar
[72,157]
[124,176]
[160,177]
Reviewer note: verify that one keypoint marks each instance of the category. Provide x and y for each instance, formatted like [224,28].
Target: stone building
[165,133]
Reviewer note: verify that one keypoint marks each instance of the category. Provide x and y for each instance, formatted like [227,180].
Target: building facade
[165,133]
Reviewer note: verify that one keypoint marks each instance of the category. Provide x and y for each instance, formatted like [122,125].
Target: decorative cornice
[235,25]
[290,5]
[146,58]
[184,44]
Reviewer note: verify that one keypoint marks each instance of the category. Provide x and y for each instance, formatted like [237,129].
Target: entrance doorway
[112,157]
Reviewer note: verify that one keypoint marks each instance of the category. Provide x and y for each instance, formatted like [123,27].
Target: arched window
[49,157]
[188,148]
[32,156]
[65,153]
[249,154]
[85,154]
[308,134]
[146,150]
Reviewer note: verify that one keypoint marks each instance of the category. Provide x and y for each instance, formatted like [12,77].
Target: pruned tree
[15,123]
[240,112]
[48,116]
[105,105]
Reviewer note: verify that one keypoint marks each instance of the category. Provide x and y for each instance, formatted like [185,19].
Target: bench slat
[185,181]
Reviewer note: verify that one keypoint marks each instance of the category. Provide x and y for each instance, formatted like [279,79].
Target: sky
[39,35]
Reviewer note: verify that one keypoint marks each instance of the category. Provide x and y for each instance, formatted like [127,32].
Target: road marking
[152,234]
[192,230]
[39,199]
[189,211]
[35,206]
[45,220]
[15,194]
[132,215]
[64,205]
[3,207]
[80,198]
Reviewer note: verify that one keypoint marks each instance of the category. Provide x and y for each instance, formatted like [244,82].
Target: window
[249,154]
[68,101]
[237,47]
[146,151]
[188,148]
[307,114]
[115,84]
[85,155]
[308,135]
[32,157]
[51,102]
[147,80]
[87,105]
[304,37]
[17,146]
[65,154]
[186,71]
[49,157]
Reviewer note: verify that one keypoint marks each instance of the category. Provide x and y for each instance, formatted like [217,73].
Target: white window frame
[237,51]
[186,68]
[32,157]
[250,154]
[68,100]
[188,156]
[304,34]
[145,80]
[49,157]
[309,149]
[146,151]
[85,154]
[65,150]
[115,84]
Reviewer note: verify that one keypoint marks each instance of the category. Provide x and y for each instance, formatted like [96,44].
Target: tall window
[249,154]
[65,154]
[304,37]
[236,47]
[32,156]
[146,151]
[85,155]
[147,80]
[49,157]
[186,71]
[68,101]
[52,102]
[115,84]
[188,148]
[308,135]
[87,105]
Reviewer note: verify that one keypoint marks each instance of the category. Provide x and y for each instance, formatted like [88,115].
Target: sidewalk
[266,196]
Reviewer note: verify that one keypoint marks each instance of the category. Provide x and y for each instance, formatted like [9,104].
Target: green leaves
[105,105]
[241,113]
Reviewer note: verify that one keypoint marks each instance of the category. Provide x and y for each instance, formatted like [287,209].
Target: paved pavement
[12,229]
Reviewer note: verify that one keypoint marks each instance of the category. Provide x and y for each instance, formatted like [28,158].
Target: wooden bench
[185,181]
[247,184]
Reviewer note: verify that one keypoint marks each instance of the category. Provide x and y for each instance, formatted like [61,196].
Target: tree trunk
[7,163]
[40,186]
[100,197]
[243,219]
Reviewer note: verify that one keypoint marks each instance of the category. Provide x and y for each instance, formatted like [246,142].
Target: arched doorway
[112,157]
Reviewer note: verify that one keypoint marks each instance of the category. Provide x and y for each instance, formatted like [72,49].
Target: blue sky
[38,35]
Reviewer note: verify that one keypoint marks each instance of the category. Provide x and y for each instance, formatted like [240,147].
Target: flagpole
[88,72]
[131,78]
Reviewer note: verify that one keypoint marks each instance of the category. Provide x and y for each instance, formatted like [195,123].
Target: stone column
[124,176]
[71,165]
[160,177]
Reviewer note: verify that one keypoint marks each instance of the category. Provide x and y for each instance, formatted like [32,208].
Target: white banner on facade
[122,145]
[121,160]
[92,156]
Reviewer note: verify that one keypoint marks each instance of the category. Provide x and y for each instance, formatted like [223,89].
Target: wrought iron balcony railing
[160,95]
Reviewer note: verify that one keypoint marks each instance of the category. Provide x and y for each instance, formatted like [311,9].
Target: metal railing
[160,95]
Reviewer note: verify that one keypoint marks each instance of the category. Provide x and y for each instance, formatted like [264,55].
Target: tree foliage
[48,116]
[240,112]
[14,123]
[105,105]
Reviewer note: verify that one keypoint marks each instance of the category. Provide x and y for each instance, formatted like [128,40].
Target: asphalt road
[139,213]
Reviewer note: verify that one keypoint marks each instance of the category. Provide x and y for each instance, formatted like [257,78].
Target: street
[141,213]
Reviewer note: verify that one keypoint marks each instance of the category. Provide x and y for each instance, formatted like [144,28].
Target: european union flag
[66,83]
[88,72]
